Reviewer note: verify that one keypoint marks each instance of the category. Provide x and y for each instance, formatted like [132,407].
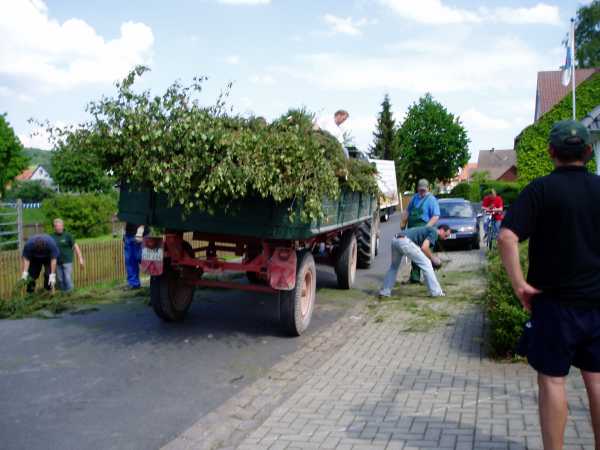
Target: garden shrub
[505,314]
[85,215]
[28,191]
[468,190]
[509,191]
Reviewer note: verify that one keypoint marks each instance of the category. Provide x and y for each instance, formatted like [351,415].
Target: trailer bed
[251,217]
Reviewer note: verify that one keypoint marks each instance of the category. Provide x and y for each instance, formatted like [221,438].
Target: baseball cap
[423,184]
[569,135]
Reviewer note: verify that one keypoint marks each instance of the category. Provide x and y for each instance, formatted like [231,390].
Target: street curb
[230,423]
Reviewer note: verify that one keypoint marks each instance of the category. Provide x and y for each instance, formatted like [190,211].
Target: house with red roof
[36,173]
[550,89]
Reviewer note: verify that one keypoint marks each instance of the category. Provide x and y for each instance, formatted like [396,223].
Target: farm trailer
[277,254]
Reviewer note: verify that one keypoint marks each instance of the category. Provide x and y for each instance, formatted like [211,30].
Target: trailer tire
[367,244]
[345,263]
[170,296]
[296,306]
[386,215]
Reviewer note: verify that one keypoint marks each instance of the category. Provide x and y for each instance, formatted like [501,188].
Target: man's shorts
[561,336]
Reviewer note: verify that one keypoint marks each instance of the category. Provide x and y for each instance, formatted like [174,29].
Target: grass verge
[43,304]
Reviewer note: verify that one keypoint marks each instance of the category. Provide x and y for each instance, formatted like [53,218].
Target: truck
[275,249]
[386,179]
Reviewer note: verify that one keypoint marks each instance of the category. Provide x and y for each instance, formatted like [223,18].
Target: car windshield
[457,210]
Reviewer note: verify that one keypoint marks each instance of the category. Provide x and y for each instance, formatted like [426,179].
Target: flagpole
[573,67]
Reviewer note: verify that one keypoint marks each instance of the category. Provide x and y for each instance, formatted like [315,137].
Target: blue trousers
[133,258]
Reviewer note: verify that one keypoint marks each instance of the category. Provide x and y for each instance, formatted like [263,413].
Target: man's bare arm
[404,218]
[79,255]
[24,264]
[433,221]
[427,249]
[508,244]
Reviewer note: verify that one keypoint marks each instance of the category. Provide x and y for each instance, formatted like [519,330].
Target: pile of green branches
[203,157]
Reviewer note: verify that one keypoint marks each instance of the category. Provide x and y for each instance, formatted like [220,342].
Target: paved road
[120,378]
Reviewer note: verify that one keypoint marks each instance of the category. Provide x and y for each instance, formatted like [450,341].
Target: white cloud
[431,12]
[232,59]
[435,12]
[504,64]
[8,92]
[475,119]
[52,55]
[267,80]
[540,13]
[346,25]
[245,2]
[37,139]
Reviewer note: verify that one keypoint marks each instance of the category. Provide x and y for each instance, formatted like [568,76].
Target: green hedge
[28,191]
[85,215]
[509,191]
[504,311]
[475,192]
[532,146]
[468,191]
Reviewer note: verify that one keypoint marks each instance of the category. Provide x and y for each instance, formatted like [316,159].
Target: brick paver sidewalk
[394,390]
[385,388]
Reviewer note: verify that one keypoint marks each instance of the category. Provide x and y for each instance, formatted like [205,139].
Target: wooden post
[20,237]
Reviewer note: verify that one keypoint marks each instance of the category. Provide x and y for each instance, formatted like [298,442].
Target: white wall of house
[41,174]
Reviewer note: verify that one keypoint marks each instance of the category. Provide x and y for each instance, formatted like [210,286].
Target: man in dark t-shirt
[560,216]
[416,244]
[39,251]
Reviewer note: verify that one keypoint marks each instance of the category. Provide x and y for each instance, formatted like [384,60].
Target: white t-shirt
[328,124]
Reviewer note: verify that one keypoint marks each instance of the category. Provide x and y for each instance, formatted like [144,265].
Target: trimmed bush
[28,191]
[504,311]
[532,145]
[468,190]
[509,191]
[85,215]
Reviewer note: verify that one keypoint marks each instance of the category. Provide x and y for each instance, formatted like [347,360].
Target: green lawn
[32,216]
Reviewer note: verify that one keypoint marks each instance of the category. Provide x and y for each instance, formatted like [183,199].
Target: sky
[478,58]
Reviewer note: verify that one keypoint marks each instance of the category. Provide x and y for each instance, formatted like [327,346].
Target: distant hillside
[39,157]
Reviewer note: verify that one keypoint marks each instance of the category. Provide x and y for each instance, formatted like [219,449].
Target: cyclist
[493,205]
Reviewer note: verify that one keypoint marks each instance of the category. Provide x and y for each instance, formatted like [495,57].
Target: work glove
[436,263]
[139,235]
[25,276]
[52,280]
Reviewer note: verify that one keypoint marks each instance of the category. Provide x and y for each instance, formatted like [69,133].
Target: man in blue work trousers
[134,235]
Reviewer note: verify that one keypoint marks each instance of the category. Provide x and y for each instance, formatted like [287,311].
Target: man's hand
[52,280]
[81,262]
[525,293]
[436,262]
[25,276]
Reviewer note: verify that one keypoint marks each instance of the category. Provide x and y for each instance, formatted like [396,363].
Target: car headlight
[467,229]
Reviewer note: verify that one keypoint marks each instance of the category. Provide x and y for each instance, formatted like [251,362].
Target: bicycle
[490,231]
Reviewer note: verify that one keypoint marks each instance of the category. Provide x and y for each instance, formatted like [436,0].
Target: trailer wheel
[170,296]
[296,306]
[347,256]
[386,215]
[368,242]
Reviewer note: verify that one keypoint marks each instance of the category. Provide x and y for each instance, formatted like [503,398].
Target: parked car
[463,220]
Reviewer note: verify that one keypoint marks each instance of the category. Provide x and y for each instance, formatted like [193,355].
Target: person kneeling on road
[416,244]
[39,251]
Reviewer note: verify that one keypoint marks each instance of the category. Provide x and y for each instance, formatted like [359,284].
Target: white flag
[568,69]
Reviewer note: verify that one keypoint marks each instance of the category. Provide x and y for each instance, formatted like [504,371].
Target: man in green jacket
[66,244]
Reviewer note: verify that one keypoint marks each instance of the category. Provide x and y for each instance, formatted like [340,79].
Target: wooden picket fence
[104,262]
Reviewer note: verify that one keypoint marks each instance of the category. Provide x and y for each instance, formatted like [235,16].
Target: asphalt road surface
[119,378]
